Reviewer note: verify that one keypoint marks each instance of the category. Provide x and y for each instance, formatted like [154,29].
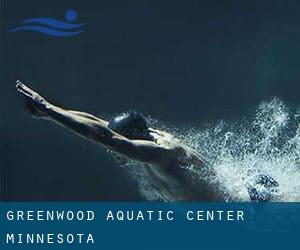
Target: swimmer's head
[132,125]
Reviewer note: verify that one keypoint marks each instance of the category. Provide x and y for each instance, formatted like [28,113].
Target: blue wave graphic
[53,27]
[53,23]
[47,31]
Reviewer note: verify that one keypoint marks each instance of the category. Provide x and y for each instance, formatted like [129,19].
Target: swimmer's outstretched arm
[95,129]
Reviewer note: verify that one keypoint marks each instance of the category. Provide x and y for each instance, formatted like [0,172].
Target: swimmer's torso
[180,183]
[177,179]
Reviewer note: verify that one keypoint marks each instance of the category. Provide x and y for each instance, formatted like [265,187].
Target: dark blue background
[182,62]
[266,226]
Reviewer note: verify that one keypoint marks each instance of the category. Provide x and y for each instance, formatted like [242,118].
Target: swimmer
[129,136]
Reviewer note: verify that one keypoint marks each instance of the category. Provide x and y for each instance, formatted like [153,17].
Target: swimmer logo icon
[53,27]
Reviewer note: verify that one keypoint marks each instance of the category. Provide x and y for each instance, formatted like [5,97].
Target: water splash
[267,142]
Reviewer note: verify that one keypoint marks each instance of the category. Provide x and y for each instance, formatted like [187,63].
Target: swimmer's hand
[35,103]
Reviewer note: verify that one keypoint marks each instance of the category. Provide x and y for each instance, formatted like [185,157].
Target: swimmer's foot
[34,103]
[263,188]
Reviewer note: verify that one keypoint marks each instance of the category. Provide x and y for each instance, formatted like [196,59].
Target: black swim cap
[132,125]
